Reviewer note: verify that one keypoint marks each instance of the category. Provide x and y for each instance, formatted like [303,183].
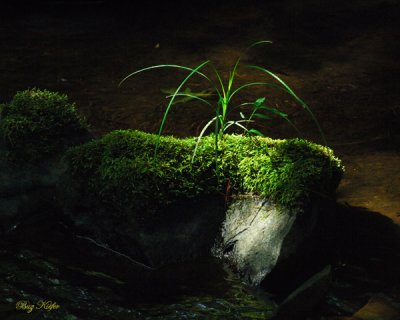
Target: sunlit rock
[258,236]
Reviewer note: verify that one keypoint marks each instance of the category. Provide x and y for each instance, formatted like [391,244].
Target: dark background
[341,57]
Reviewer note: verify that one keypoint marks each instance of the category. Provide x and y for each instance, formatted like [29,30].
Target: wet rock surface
[180,232]
[26,188]
[262,240]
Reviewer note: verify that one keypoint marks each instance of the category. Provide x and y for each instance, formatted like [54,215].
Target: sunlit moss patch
[121,171]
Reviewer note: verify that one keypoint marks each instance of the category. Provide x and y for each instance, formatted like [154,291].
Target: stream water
[40,262]
[47,274]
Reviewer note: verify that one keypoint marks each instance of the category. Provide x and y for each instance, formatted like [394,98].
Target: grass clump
[225,90]
[120,169]
[39,123]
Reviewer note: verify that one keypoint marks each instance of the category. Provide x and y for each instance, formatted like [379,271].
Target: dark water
[48,272]
[42,261]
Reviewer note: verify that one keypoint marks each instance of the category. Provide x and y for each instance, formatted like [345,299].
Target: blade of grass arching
[238,106]
[241,105]
[279,113]
[252,115]
[293,126]
[219,127]
[261,116]
[232,76]
[190,96]
[273,110]
[283,83]
[268,84]
[208,124]
[237,123]
[222,93]
[171,101]
[258,115]
[161,66]
[294,95]
[258,43]
[256,132]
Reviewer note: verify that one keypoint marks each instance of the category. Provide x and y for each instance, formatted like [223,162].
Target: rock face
[147,197]
[180,232]
[258,236]
[26,189]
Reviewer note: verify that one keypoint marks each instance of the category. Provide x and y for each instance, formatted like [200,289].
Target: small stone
[55,281]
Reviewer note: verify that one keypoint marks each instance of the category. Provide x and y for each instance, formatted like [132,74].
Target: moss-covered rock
[36,127]
[164,209]
[121,171]
[38,124]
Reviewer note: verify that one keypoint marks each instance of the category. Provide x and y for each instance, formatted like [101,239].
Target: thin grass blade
[161,66]
[269,84]
[190,96]
[261,116]
[256,132]
[237,123]
[171,101]
[200,136]
[295,96]
[273,110]
[258,43]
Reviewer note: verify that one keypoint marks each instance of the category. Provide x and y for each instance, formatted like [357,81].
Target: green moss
[120,170]
[292,172]
[39,123]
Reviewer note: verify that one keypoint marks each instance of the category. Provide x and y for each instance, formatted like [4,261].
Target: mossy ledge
[121,172]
